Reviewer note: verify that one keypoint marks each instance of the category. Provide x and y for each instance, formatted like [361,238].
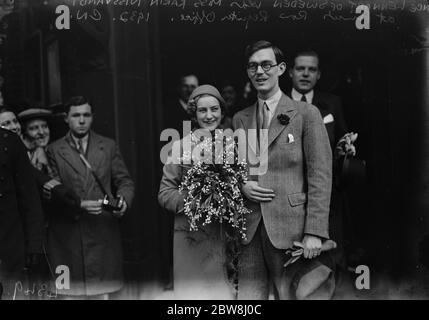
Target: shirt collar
[297,96]
[272,102]
[84,139]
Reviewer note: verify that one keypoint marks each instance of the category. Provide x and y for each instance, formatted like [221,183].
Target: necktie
[303,98]
[266,122]
[263,122]
[264,117]
[80,146]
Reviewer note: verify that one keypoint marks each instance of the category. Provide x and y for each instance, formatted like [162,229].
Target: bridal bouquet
[212,185]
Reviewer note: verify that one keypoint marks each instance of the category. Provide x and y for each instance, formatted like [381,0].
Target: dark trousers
[261,267]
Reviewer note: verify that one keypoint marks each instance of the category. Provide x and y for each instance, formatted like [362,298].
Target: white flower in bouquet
[212,185]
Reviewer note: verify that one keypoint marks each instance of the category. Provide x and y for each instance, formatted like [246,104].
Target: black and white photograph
[214,150]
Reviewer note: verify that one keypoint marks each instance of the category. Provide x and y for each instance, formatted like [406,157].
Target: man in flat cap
[36,135]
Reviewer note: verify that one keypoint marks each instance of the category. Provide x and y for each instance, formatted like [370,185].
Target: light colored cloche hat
[207,89]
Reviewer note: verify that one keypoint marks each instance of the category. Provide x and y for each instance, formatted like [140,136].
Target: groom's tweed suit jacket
[299,171]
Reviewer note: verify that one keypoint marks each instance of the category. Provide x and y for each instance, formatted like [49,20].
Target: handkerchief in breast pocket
[328,119]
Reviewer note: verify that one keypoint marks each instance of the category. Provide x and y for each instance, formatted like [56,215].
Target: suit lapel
[285,106]
[316,99]
[94,151]
[71,156]
[250,123]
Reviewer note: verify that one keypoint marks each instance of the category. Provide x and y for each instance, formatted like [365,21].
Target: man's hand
[312,246]
[91,206]
[254,192]
[124,207]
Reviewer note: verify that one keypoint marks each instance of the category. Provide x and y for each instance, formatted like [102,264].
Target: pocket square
[328,119]
[290,138]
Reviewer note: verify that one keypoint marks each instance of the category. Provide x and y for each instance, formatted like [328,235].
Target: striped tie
[80,146]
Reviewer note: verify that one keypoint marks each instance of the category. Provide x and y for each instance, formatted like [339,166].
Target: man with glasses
[289,196]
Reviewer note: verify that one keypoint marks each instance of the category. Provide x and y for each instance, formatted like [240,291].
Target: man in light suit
[88,240]
[290,196]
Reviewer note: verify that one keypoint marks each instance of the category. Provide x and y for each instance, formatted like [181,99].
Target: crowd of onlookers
[61,205]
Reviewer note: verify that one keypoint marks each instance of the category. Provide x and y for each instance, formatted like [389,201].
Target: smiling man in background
[305,74]
[36,136]
[9,121]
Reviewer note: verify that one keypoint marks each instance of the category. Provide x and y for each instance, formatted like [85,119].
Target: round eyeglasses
[266,66]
